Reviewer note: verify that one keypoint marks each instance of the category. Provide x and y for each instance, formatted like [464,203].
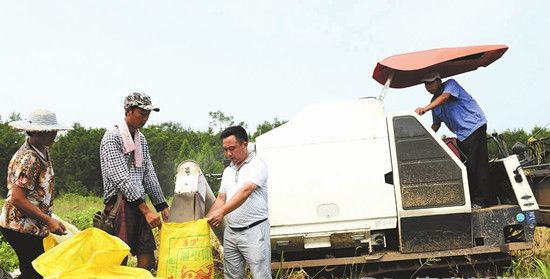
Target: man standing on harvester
[452,105]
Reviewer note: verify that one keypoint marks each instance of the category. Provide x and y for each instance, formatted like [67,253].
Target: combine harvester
[350,185]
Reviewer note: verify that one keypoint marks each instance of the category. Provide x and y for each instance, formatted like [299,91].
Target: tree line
[75,155]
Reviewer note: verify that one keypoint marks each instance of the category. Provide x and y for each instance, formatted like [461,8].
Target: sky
[257,60]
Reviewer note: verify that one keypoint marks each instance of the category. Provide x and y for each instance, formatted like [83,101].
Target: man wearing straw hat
[452,105]
[127,170]
[26,215]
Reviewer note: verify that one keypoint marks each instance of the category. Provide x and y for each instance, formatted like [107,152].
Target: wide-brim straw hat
[40,120]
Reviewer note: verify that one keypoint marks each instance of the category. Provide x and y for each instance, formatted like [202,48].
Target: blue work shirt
[460,112]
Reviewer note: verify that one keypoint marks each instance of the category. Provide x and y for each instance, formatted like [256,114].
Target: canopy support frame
[386,87]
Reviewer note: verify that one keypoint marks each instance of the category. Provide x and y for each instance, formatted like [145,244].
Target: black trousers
[27,247]
[477,166]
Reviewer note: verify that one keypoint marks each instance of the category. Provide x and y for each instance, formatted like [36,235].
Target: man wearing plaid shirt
[126,168]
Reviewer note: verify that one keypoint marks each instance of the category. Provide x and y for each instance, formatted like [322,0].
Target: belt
[249,226]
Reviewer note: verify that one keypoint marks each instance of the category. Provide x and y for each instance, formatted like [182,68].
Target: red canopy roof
[409,68]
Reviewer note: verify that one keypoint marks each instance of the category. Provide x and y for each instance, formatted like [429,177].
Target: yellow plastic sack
[52,240]
[91,253]
[89,271]
[185,251]
[49,242]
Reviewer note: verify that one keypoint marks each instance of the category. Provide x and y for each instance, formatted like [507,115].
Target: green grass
[534,263]
[77,210]
[8,259]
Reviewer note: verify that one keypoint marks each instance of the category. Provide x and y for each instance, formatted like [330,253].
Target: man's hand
[165,214]
[56,227]
[153,219]
[216,214]
[435,103]
[420,111]
[215,217]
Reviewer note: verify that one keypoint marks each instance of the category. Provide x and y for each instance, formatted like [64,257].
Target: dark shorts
[132,228]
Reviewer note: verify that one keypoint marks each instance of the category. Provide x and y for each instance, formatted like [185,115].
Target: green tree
[209,156]
[210,164]
[10,141]
[507,138]
[540,132]
[164,142]
[185,152]
[75,157]
[219,121]
[510,137]
[266,126]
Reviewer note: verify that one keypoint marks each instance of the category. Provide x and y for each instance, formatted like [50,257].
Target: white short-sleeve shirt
[254,208]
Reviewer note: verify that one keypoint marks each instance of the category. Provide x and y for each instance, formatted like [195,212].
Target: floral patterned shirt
[30,171]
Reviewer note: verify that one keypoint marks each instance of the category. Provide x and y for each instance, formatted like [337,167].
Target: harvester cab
[431,184]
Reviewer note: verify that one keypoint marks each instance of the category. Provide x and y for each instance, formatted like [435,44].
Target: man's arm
[435,103]
[152,218]
[216,216]
[151,184]
[20,201]
[220,201]
[240,197]
[215,210]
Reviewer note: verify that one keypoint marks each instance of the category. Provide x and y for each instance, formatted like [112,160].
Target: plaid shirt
[120,174]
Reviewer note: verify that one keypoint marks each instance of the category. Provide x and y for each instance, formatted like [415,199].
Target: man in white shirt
[242,199]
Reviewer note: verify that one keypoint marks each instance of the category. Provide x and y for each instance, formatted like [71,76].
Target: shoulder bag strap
[112,213]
